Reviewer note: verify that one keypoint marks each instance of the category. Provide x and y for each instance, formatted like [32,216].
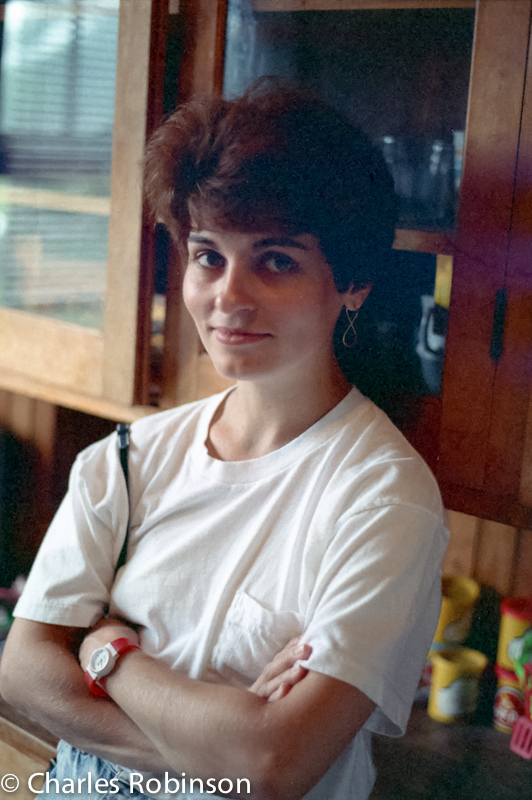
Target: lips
[237,336]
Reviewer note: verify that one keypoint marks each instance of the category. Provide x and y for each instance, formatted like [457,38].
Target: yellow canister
[459,595]
[454,686]
[516,618]
[509,703]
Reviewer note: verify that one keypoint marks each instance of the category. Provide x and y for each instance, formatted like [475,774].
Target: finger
[296,675]
[287,658]
[290,677]
[305,651]
[281,663]
[280,692]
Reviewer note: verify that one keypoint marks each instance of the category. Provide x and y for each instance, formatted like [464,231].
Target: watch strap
[118,647]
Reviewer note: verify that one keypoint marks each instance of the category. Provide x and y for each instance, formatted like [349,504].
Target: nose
[236,290]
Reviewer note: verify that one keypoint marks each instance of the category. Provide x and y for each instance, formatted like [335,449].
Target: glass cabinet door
[402,75]
[74,111]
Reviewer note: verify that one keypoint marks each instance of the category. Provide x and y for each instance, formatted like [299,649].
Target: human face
[265,305]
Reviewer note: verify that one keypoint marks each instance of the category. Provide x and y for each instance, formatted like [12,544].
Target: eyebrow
[195,237]
[279,241]
[272,241]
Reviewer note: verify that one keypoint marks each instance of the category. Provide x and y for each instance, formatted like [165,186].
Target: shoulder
[164,425]
[377,466]
[149,439]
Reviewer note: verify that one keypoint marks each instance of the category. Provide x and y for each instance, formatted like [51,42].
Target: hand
[283,672]
[105,630]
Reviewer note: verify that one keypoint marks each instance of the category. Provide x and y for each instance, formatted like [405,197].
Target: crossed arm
[163,721]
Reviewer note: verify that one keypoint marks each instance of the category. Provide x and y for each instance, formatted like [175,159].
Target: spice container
[459,597]
[509,702]
[454,687]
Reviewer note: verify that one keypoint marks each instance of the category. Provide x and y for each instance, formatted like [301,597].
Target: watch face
[99,660]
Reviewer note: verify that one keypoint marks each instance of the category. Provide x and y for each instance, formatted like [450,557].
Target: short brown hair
[275,159]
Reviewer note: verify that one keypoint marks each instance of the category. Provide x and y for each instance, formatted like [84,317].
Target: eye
[278,262]
[209,259]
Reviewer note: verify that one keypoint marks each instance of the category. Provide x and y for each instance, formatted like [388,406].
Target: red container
[516,618]
[509,703]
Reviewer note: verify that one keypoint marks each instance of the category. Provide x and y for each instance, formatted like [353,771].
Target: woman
[286,514]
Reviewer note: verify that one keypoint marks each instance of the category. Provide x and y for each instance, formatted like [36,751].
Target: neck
[258,418]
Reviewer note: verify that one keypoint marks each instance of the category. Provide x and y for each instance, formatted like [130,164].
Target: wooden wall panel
[526,467]
[495,556]
[460,556]
[22,417]
[522,584]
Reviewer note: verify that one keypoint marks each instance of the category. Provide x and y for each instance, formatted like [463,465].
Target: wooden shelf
[40,390]
[485,504]
[424,242]
[54,201]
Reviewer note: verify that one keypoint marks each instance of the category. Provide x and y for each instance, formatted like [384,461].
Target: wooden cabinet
[483,449]
[473,431]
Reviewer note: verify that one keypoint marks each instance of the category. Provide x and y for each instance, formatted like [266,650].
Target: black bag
[122,430]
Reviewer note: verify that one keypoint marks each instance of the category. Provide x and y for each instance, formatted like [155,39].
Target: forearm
[43,679]
[207,730]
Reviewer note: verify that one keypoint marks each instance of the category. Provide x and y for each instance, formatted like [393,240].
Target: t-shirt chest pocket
[250,637]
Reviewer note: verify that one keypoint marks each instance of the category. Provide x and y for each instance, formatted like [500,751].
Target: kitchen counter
[440,761]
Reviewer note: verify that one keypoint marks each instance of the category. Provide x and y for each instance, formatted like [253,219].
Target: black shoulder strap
[122,430]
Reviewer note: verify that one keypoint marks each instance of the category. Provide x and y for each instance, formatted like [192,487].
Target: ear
[355,296]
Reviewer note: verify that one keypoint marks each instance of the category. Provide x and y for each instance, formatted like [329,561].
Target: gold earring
[350,327]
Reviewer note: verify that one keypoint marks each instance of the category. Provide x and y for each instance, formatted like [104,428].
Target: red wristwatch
[103,661]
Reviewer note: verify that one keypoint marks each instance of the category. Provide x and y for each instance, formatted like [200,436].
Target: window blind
[57,86]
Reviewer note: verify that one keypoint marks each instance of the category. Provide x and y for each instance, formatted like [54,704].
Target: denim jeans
[76,774]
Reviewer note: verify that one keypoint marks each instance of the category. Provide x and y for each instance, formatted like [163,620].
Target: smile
[235,336]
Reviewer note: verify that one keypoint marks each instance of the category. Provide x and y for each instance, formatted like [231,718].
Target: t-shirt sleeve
[71,578]
[376,604]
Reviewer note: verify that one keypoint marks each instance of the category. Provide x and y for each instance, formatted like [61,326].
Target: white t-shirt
[338,535]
